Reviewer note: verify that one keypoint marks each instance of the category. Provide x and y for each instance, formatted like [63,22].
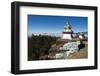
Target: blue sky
[55,24]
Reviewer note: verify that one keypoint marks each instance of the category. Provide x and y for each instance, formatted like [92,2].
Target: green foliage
[39,45]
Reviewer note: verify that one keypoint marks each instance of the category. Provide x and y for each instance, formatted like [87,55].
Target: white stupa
[81,35]
[67,34]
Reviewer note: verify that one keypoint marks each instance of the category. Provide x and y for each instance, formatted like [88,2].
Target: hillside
[83,53]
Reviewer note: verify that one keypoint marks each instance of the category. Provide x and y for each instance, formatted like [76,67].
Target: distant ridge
[53,34]
[50,34]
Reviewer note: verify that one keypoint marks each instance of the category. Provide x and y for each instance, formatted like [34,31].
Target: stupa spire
[67,23]
[67,33]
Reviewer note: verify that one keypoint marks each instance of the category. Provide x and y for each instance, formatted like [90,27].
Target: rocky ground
[83,53]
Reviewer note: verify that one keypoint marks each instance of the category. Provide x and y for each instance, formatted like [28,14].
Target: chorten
[81,35]
[67,34]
